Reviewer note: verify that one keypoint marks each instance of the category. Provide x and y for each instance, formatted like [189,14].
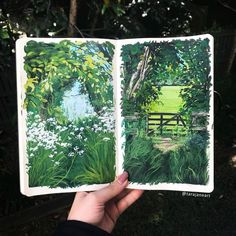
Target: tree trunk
[72,18]
[140,73]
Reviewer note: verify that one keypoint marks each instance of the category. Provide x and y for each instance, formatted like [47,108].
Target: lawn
[168,101]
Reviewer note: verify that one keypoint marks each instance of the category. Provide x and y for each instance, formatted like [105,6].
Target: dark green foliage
[143,163]
[186,164]
[190,162]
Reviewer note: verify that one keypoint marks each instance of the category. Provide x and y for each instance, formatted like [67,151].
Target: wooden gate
[157,120]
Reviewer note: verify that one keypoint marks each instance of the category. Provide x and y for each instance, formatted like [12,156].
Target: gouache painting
[166,103]
[68,104]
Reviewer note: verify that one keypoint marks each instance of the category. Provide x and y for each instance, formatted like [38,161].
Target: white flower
[64,144]
[64,128]
[81,152]
[71,154]
[106,139]
[56,163]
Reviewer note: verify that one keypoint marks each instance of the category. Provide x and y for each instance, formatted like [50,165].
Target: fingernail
[123,177]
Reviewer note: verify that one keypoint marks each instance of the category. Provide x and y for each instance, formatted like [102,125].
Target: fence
[157,121]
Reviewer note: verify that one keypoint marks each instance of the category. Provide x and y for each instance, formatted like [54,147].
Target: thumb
[113,189]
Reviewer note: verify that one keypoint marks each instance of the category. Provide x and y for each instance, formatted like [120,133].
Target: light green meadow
[168,101]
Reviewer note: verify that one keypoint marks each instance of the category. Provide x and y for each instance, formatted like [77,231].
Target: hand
[103,207]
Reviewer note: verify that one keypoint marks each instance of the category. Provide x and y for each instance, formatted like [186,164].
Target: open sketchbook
[90,108]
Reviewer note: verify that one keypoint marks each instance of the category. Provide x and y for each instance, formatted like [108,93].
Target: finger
[122,194]
[73,213]
[113,189]
[80,195]
[129,199]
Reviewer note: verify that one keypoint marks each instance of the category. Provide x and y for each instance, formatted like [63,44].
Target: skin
[103,207]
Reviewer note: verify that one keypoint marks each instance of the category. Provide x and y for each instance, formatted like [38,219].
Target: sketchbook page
[66,114]
[166,113]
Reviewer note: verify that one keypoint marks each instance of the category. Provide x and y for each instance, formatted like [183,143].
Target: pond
[76,105]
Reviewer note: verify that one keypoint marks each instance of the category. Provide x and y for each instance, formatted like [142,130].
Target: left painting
[66,121]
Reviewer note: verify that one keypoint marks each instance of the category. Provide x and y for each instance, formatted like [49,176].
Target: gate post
[161,122]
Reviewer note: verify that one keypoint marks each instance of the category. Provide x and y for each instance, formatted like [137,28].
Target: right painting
[167,110]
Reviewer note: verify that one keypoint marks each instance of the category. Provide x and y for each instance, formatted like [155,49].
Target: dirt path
[166,144]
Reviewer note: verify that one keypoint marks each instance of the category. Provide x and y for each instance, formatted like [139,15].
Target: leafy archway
[149,66]
[54,67]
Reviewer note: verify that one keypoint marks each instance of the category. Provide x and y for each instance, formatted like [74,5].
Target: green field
[168,101]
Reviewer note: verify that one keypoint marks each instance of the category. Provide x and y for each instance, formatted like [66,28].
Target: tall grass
[144,164]
[186,164]
[70,155]
[44,171]
[98,163]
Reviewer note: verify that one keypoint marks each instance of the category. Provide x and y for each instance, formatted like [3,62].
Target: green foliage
[106,18]
[53,66]
[144,164]
[186,164]
[189,164]
[150,18]
[135,126]
[7,44]
[62,153]
[68,156]
[197,95]
[176,63]
[44,171]
[180,62]
[34,17]
[98,163]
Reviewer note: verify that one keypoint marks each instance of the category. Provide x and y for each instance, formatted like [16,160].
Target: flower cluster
[56,140]
[107,120]
[37,134]
[48,135]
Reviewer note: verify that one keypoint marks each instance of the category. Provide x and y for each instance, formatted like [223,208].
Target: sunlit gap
[75,104]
